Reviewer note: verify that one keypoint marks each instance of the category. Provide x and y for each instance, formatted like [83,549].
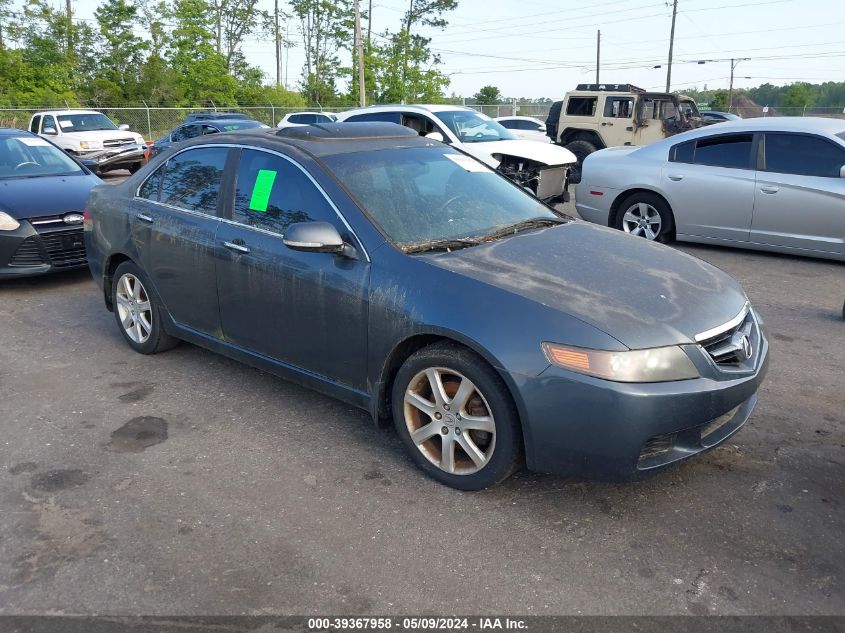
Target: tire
[486,405]
[658,221]
[137,311]
[581,149]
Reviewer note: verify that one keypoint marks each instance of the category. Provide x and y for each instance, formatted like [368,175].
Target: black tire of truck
[581,149]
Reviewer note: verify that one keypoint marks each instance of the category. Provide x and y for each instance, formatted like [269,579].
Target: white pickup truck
[92,137]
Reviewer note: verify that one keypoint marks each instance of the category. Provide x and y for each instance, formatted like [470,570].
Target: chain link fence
[154,122]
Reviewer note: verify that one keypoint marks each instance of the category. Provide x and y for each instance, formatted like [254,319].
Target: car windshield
[85,122]
[429,194]
[474,127]
[243,124]
[30,157]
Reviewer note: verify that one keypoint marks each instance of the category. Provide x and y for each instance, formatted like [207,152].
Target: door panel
[305,309]
[180,216]
[710,201]
[800,198]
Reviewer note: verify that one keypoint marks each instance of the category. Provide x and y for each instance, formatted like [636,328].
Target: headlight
[659,364]
[91,144]
[7,222]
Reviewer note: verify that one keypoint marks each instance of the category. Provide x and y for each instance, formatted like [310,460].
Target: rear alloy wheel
[455,417]
[137,312]
[645,215]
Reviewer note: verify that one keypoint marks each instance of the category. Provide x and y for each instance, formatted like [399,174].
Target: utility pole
[69,10]
[734,63]
[369,24]
[598,54]
[671,45]
[359,47]
[278,46]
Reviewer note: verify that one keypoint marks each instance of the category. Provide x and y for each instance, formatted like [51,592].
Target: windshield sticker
[470,164]
[65,124]
[261,190]
[33,142]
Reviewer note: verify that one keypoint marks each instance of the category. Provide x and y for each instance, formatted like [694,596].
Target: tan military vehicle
[595,116]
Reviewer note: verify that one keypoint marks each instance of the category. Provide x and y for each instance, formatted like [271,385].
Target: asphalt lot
[186,483]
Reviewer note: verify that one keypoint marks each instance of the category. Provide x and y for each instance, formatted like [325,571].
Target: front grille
[118,141]
[64,247]
[28,254]
[736,346]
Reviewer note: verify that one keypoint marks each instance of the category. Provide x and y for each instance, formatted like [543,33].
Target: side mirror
[123,126]
[48,129]
[842,171]
[315,237]
[436,136]
[542,129]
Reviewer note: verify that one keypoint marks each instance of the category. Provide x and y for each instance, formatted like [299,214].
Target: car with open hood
[542,168]
[409,279]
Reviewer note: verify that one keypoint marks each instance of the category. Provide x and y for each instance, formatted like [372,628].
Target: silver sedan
[771,184]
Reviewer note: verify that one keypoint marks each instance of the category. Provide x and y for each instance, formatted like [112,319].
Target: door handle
[675,177]
[240,248]
[145,218]
[606,123]
[769,189]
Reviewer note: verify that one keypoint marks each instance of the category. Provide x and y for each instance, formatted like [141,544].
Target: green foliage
[791,99]
[719,100]
[488,95]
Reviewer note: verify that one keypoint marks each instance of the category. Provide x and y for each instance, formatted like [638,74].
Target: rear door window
[385,117]
[192,179]
[581,106]
[36,121]
[271,193]
[802,155]
[733,151]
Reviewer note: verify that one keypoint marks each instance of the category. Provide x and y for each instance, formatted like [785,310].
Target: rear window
[732,151]
[581,106]
[384,117]
[192,179]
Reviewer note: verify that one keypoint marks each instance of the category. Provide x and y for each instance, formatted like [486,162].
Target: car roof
[67,112]
[13,131]
[310,112]
[324,139]
[422,108]
[229,121]
[781,123]
[516,118]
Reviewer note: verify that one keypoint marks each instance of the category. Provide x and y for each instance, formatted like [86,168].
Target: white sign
[470,164]
[765,109]
[33,142]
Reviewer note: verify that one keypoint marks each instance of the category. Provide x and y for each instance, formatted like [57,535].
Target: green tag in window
[261,190]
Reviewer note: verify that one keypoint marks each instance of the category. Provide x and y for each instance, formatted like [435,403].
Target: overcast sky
[542,48]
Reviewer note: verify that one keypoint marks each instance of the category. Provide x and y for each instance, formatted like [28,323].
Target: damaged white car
[541,168]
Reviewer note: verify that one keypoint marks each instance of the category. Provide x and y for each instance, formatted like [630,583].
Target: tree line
[191,52]
[789,98]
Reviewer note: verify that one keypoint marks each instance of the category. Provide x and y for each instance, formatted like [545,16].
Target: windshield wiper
[516,227]
[438,245]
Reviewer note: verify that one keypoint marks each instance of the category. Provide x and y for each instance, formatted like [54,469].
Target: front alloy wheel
[449,421]
[456,417]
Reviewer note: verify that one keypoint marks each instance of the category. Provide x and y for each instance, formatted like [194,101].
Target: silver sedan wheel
[642,219]
[449,421]
[133,308]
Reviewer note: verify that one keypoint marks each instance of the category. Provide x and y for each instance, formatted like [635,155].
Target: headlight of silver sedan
[658,364]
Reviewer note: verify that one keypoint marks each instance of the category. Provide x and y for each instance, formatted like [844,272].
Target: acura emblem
[746,347]
[73,218]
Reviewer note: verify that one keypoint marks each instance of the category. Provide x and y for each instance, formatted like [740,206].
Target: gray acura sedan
[406,278]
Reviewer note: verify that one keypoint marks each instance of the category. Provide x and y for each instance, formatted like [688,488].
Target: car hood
[47,195]
[102,135]
[641,293]
[543,153]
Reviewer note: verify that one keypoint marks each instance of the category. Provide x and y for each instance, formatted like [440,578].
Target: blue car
[201,128]
[42,199]
[409,279]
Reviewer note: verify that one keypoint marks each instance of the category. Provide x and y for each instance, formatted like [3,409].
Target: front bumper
[598,429]
[115,158]
[39,249]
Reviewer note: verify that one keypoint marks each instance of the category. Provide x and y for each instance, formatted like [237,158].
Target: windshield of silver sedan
[31,157]
[434,198]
